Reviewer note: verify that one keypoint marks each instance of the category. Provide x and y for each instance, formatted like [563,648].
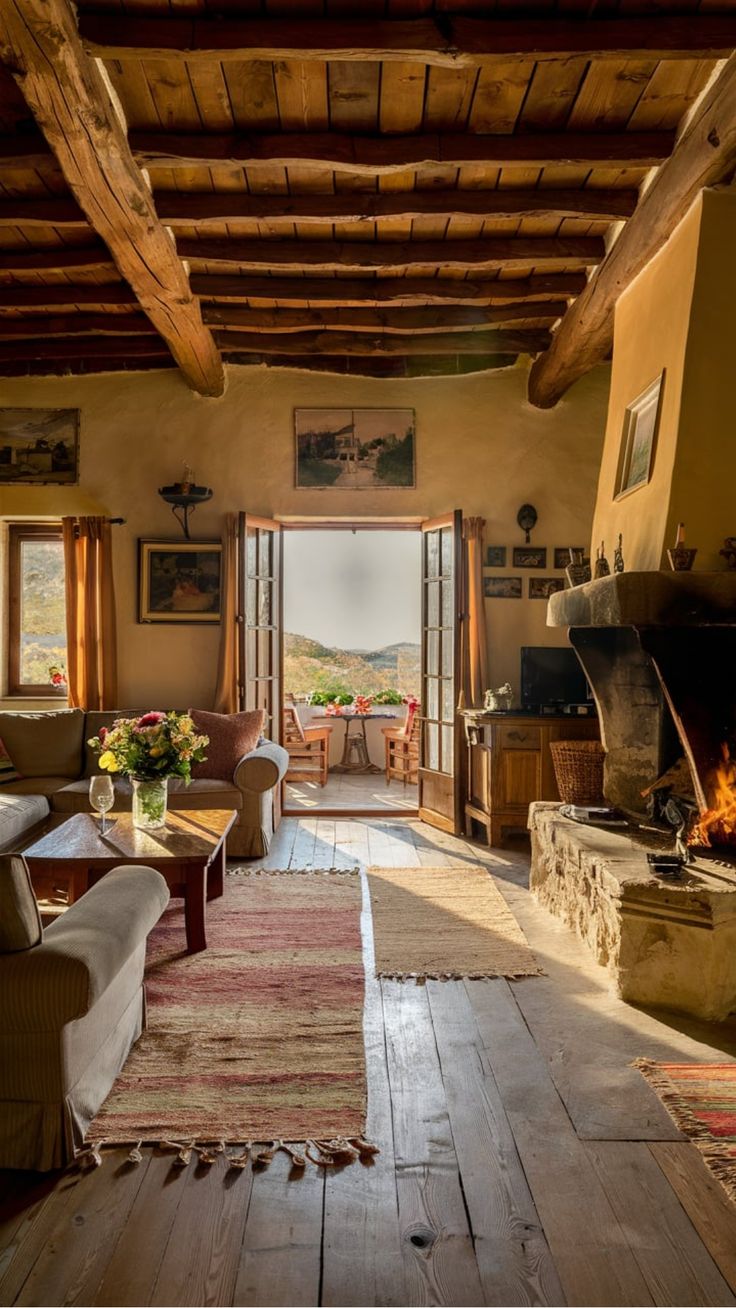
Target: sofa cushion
[20,920]
[74,798]
[231,735]
[44,744]
[36,786]
[8,771]
[18,813]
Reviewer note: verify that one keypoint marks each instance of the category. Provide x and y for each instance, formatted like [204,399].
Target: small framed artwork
[354,449]
[39,447]
[502,587]
[562,555]
[496,556]
[639,439]
[179,581]
[543,587]
[530,556]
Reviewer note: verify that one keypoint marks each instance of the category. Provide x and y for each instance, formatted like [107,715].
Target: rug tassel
[91,1157]
[332,1152]
[135,1155]
[240,1160]
[183,1151]
[264,1156]
[365,1149]
[298,1159]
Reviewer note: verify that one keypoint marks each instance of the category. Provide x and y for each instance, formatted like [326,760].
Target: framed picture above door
[354,449]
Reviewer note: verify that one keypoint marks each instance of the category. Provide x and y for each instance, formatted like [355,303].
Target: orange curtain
[91,636]
[474,646]
[228,668]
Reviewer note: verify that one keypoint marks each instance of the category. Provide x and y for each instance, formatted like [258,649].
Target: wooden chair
[308,748]
[402,749]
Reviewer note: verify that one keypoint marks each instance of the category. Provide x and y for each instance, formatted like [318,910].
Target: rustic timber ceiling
[377,187]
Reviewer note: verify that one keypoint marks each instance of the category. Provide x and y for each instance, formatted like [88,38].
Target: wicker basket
[578,768]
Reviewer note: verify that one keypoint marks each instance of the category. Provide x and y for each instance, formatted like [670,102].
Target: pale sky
[353,590]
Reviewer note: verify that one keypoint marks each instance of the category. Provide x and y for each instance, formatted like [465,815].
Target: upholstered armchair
[71,1006]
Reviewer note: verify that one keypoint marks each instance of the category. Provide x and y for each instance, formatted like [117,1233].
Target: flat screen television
[551,676]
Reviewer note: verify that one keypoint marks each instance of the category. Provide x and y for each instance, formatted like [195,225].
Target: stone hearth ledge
[666,944]
[647,599]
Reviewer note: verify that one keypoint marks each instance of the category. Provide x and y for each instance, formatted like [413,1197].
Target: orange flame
[718,822]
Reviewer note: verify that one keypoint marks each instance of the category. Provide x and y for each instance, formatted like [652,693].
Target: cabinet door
[520,778]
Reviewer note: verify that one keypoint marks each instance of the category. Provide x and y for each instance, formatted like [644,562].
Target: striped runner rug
[258,1038]
[445,923]
[701,1097]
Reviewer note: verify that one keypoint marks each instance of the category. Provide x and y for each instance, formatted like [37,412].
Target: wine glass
[101,798]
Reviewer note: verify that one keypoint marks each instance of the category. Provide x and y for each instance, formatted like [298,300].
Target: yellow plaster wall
[652,326]
[480,447]
[704,476]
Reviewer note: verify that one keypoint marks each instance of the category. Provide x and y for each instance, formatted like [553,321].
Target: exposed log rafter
[393,321]
[705,155]
[454,42]
[74,107]
[331,256]
[396,291]
[344,342]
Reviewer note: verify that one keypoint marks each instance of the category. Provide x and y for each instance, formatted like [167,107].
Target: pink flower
[102,733]
[151,719]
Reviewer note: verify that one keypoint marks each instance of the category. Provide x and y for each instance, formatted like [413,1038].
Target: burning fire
[718,823]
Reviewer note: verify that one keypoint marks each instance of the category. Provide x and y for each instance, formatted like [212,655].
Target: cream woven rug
[444,923]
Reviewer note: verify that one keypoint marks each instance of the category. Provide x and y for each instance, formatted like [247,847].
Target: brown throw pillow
[231,736]
[20,920]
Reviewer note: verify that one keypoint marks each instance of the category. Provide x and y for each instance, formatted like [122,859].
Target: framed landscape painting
[502,587]
[39,447]
[543,587]
[639,439]
[354,449]
[179,581]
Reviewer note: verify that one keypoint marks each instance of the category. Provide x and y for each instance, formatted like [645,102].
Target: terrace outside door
[439,789]
[259,618]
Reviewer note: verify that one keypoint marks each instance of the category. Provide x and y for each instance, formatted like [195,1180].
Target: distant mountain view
[310,666]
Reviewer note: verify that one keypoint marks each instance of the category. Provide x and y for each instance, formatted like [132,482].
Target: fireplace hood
[659,651]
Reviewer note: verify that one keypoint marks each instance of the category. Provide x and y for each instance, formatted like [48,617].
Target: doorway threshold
[350,795]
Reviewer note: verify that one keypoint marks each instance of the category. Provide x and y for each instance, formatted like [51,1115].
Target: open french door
[439,751]
[259,618]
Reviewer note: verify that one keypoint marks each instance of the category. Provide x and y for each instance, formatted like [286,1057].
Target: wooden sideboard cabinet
[509,766]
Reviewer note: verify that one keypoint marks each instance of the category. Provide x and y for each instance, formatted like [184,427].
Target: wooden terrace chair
[402,749]
[308,748]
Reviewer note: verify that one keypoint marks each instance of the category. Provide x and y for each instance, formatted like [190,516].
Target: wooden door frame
[453,825]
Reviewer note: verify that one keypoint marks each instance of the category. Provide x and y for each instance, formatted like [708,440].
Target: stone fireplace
[659,650]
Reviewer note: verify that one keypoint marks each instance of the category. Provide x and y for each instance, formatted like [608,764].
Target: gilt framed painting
[179,581]
[354,449]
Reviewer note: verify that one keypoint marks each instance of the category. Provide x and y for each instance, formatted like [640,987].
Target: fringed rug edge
[720,1163]
[422,977]
[338,1152]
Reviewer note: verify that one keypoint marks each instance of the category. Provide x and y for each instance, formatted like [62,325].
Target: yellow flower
[157,751]
[109,762]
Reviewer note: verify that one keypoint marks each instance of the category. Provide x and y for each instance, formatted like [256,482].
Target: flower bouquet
[57,677]
[362,704]
[149,750]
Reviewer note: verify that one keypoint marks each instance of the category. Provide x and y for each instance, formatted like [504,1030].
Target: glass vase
[149,803]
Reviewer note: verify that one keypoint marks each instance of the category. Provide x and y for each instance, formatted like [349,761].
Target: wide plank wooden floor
[524,1161]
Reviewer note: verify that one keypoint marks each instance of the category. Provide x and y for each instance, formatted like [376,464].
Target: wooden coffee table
[67,856]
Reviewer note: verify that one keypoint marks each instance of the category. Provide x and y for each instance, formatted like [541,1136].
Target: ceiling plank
[393,321]
[331,256]
[343,342]
[57,259]
[373,292]
[705,155]
[433,365]
[73,105]
[371,155]
[66,296]
[452,42]
[181,210]
[101,348]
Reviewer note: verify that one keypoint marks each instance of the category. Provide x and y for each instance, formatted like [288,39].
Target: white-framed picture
[639,439]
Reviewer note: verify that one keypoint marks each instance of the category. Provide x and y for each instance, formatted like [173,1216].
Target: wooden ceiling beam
[343,342]
[705,155]
[178,209]
[393,321]
[75,109]
[371,155]
[396,291]
[67,296]
[368,155]
[83,324]
[332,256]
[449,41]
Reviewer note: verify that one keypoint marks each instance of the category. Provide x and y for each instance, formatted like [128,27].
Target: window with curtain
[36,609]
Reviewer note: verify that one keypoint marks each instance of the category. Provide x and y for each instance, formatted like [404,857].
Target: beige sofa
[51,753]
[71,1006]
